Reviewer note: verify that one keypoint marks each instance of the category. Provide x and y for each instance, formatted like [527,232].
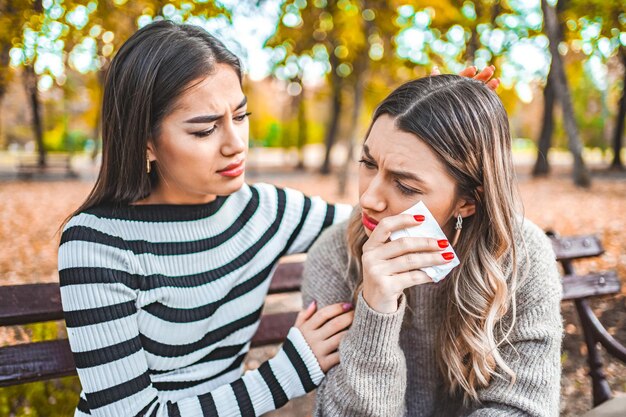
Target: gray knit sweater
[388,361]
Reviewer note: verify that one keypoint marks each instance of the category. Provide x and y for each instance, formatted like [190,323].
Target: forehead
[396,149]
[213,94]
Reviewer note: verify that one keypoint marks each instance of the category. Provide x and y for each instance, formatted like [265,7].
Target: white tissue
[429,228]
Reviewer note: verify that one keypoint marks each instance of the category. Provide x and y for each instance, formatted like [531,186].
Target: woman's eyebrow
[407,176]
[213,117]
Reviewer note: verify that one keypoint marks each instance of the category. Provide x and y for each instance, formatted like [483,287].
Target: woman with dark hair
[486,340]
[165,267]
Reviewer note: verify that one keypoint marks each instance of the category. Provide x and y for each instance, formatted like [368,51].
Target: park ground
[32,211]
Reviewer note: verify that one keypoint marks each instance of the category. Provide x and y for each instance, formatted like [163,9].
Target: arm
[534,353]
[371,375]
[99,293]
[304,218]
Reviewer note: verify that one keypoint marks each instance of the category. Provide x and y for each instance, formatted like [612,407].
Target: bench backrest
[34,303]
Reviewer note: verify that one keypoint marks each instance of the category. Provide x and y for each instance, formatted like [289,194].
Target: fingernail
[493,67]
[443,243]
[311,305]
[346,306]
[419,218]
[448,256]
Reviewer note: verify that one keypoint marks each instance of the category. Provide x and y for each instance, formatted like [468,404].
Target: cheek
[439,207]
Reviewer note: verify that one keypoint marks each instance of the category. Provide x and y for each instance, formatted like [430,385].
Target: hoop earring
[148,164]
[458,227]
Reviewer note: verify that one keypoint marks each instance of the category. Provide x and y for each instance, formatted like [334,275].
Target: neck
[161,196]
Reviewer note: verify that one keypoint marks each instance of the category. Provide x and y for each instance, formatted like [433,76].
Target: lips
[368,222]
[233,170]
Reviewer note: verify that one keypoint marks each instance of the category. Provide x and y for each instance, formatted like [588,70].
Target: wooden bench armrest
[590,285]
[35,362]
[575,247]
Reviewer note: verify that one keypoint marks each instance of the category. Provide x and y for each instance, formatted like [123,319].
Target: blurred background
[315,69]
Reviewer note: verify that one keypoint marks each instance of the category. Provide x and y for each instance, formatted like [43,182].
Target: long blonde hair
[466,125]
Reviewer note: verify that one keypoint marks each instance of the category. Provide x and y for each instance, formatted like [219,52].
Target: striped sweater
[161,302]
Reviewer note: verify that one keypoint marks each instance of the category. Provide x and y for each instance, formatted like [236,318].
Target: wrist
[381,303]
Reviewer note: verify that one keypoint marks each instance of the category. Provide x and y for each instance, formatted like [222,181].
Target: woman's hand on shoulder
[389,267]
[324,329]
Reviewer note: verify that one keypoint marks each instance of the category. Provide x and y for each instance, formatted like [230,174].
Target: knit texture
[161,302]
[388,361]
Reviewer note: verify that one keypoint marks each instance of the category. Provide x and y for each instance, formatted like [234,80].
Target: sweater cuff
[303,359]
[372,333]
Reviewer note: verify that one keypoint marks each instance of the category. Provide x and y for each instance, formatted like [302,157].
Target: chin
[232,186]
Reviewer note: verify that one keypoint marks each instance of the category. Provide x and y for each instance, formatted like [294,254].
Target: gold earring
[147,164]
[458,227]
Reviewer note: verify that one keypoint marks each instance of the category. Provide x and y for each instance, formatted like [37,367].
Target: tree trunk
[97,131]
[542,166]
[335,116]
[354,123]
[30,84]
[581,174]
[302,128]
[618,133]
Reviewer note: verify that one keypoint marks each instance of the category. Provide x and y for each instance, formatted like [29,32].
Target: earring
[458,227]
[147,164]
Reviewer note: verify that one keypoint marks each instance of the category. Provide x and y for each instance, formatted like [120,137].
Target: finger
[305,314]
[468,72]
[412,261]
[335,325]
[435,71]
[329,361]
[390,224]
[485,74]
[412,278]
[406,245]
[327,313]
[493,84]
[332,343]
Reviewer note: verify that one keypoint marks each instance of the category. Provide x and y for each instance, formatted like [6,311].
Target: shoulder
[88,224]
[332,246]
[327,277]
[538,275]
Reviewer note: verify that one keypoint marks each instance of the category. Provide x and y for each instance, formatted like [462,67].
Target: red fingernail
[419,218]
[443,243]
[448,256]
[346,306]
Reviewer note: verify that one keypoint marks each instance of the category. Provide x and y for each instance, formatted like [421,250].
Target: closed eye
[406,190]
[204,133]
[367,164]
[242,117]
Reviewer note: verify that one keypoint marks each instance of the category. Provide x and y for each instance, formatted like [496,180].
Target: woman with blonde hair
[484,341]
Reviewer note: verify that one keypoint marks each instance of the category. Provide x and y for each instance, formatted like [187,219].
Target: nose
[235,139]
[373,198]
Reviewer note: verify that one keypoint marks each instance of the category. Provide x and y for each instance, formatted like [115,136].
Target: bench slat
[30,303]
[594,284]
[40,361]
[273,328]
[287,278]
[576,247]
[35,303]
[35,362]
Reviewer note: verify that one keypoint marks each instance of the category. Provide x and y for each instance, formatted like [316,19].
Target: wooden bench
[28,166]
[34,303]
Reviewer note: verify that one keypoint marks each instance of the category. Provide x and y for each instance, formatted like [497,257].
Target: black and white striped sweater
[161,302]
